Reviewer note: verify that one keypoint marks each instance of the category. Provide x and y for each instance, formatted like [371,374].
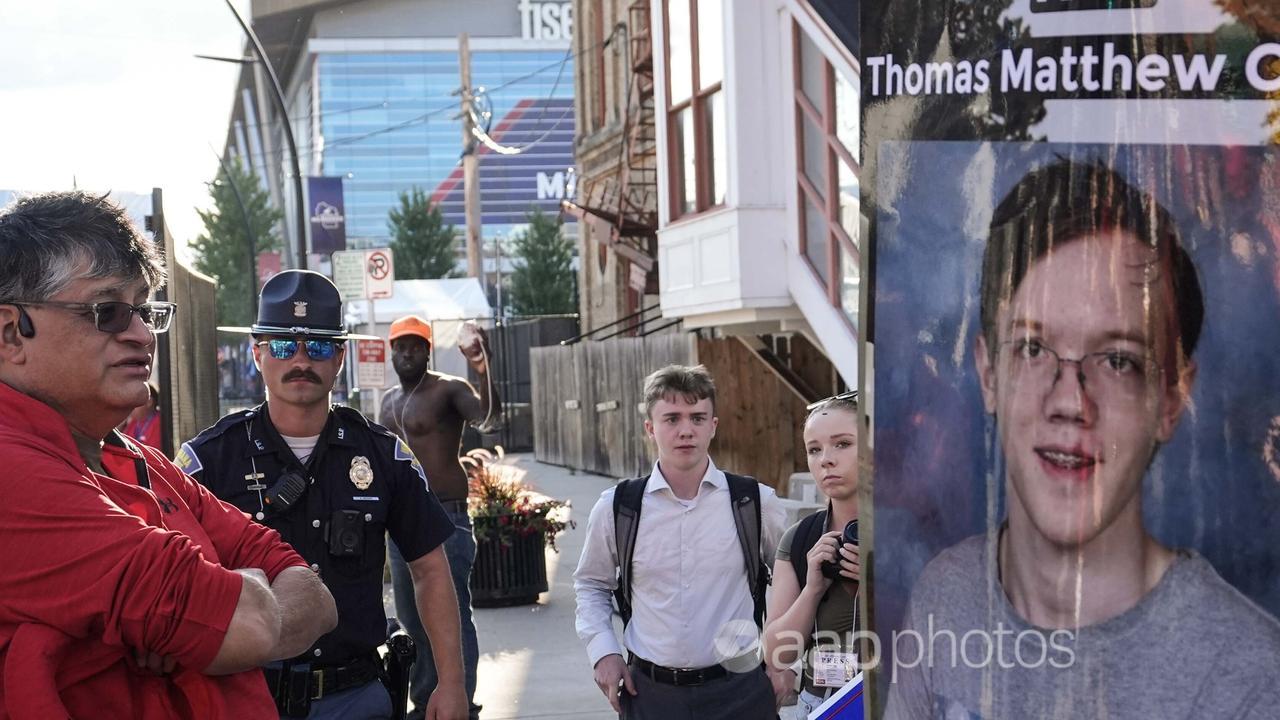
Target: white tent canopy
[445,299]
[445,304]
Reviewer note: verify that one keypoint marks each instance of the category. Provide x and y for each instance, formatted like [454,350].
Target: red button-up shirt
[94,567]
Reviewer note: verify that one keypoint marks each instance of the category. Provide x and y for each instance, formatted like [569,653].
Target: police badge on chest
[361,473]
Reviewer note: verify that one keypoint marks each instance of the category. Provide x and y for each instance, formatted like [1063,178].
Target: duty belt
[325,680]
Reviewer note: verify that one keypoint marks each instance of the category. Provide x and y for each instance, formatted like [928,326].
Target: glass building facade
[389,123]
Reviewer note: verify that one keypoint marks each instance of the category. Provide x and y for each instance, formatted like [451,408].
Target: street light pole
[299,205]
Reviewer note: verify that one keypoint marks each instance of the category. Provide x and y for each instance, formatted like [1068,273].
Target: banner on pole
[328,222]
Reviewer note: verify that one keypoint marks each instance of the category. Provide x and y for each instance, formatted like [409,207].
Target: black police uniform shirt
[241,457]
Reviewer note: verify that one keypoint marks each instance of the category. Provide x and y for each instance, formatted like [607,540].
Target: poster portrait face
[1081,400]
[1118,370]
[1074,293]
[1090,311]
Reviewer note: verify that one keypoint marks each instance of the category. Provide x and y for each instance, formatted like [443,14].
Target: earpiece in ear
[25,327]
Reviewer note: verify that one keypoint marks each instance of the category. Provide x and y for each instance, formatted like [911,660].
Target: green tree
[424,246]
[543,282]
[222,250]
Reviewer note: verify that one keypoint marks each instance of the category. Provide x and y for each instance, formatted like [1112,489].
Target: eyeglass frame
[96,310]
[1081,375]
[304,344]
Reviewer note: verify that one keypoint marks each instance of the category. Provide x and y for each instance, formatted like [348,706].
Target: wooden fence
[586,406]
[586,400]
[761,419]
[187,357]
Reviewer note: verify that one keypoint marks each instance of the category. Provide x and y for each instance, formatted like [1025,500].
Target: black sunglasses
[110,317]
[850,395]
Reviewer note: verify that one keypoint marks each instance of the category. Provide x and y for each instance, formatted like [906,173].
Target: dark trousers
[738,696]
[367,702]
[460,549]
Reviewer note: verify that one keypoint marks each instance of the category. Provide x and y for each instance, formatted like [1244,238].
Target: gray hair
[48,240]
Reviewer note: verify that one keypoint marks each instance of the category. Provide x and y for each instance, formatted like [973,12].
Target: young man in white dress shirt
[692,638]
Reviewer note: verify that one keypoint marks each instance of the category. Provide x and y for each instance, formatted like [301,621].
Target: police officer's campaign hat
[300,302]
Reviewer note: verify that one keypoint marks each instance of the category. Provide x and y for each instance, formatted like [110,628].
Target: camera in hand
[831,570]
[286,491]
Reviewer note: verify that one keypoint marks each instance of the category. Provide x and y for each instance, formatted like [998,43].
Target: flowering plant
[503,509]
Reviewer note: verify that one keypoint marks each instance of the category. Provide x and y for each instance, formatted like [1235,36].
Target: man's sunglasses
[316,349]
[111,317]
[850,395]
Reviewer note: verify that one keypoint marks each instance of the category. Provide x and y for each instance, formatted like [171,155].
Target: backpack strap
[744,496]
[628,496]
[806,536]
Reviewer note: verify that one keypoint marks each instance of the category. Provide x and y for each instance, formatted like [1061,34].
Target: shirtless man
[429,410]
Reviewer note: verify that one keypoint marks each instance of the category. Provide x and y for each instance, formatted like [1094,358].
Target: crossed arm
[274,621]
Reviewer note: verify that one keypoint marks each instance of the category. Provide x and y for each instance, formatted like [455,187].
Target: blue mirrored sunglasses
[281,349]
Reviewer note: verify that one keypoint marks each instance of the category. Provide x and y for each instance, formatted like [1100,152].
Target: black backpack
[806,536]
[744,496]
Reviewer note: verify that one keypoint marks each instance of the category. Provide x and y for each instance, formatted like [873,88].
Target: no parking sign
[364,274]
[381,274]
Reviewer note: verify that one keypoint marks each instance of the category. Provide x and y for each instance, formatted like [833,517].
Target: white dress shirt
[689,580]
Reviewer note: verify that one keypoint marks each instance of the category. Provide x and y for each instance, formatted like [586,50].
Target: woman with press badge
[813,606]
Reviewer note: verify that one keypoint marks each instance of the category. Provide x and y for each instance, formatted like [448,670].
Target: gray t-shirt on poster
[1194,647]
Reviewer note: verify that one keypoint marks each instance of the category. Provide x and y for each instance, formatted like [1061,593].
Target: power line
[390,128]
[489,142]
[355,138]
[569,55]
[560,64]
[311,116]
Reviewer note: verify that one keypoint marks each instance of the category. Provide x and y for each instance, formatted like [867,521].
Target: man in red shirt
[126,589]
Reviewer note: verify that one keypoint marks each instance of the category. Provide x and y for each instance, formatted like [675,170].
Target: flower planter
[512,574]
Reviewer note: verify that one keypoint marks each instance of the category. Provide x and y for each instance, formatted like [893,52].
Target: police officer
[333,484]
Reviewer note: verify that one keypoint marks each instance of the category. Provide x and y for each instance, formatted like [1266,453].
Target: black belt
[327,679]
[455,506]
[680,677]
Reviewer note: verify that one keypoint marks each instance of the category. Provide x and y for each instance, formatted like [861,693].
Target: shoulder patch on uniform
[404,454]
[187,460]
[224,424]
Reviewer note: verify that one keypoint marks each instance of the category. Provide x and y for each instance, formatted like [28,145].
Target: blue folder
[846,704]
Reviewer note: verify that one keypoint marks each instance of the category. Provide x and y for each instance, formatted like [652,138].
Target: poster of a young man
[1076,410]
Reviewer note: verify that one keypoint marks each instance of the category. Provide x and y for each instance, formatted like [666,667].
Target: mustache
[302,374]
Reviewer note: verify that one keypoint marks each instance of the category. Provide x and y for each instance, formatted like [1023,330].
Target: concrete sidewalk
[532,664]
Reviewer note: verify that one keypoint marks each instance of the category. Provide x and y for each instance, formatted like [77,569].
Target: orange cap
[410,325]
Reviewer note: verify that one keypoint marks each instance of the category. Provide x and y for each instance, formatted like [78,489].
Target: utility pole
[470,166]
